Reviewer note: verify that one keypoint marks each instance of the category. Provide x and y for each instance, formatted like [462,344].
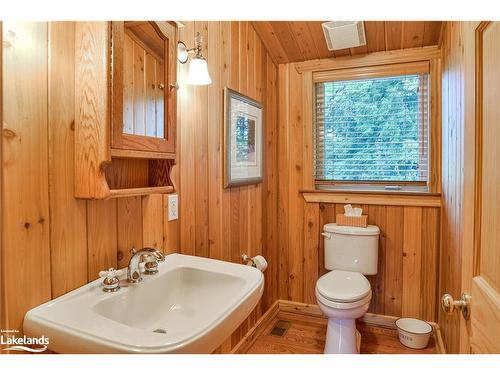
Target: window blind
[372,130]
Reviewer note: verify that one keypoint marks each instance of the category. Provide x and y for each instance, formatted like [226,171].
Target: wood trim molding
[247,340]
[378,65]
[300,308]
[370,59]
[375,320]
[374,71]
[377,198]
[308,103]
[438,336]
[383,321]
[478,144]
[435,153]
[441,33]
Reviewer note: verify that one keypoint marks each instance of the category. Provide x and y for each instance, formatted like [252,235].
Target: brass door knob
[449,305]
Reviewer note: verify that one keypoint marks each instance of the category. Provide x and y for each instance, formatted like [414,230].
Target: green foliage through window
[372,129]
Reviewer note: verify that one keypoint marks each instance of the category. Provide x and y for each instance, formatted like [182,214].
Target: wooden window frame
[431,66]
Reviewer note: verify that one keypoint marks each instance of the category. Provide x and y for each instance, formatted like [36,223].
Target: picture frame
[243,139]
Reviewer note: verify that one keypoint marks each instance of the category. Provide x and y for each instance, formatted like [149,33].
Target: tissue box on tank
[352,221]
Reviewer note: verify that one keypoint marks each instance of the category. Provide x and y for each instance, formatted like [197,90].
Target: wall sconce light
[198,69]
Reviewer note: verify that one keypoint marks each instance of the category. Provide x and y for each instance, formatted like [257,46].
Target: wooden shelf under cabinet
[131,177]
[122,193]
[126,177]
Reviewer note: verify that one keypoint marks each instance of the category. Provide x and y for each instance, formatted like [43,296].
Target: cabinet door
[143,87]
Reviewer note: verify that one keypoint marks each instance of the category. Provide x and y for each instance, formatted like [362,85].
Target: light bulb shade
[198,72]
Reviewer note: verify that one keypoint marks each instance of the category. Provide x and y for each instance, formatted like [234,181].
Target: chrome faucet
[153,256]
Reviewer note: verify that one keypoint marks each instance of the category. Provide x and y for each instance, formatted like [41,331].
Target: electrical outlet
[173,207]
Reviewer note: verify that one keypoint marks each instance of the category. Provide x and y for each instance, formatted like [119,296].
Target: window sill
[386,198]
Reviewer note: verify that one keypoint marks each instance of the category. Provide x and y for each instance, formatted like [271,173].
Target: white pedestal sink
[190,306]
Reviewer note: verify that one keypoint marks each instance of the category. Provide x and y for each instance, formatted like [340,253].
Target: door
[484,332]
[478,331]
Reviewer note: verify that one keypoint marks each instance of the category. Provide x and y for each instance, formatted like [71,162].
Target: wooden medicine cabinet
[125,105]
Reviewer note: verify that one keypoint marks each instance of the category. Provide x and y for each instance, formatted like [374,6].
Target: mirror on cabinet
[143,71]
[143,80]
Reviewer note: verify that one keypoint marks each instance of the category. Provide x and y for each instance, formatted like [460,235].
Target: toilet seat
[344,287]
[343,305]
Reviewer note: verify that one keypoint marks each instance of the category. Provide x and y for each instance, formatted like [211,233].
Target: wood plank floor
[306,335]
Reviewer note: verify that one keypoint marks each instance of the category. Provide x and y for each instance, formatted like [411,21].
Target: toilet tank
[351,248]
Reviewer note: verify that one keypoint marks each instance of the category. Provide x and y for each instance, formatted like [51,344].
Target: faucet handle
[111,283]
[110,273]
[150,265]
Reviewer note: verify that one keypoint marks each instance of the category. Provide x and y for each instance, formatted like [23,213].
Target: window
[372,127]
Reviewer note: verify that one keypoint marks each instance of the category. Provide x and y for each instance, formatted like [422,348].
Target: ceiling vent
[344,34]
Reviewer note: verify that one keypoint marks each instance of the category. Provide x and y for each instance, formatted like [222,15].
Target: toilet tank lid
[370,230]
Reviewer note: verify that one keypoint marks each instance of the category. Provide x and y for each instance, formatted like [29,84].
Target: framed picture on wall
[242,139]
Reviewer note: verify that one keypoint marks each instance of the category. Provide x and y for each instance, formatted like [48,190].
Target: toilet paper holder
[257,261]
[248,260]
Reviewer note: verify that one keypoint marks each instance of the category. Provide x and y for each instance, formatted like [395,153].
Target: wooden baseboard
[383,321]
[256,330]
[440,348]
[376,320]
[300,308]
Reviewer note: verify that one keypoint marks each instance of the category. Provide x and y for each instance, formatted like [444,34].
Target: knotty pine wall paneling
[407,280]
[25,211]
[88,236]
[68,215]
[216,222]
[61,242]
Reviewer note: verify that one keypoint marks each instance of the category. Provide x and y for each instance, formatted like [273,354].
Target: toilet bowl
[343,297]
[344,293]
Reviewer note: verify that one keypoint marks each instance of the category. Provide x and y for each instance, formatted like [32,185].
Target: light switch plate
[173,207]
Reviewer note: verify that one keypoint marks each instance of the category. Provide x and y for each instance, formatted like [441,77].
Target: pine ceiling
[292,41]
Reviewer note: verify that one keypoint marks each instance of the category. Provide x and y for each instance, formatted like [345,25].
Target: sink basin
[190,306]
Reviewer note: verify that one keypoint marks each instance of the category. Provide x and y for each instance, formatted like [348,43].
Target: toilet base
[342,337]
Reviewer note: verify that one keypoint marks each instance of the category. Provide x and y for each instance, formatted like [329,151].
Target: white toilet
[344,294]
